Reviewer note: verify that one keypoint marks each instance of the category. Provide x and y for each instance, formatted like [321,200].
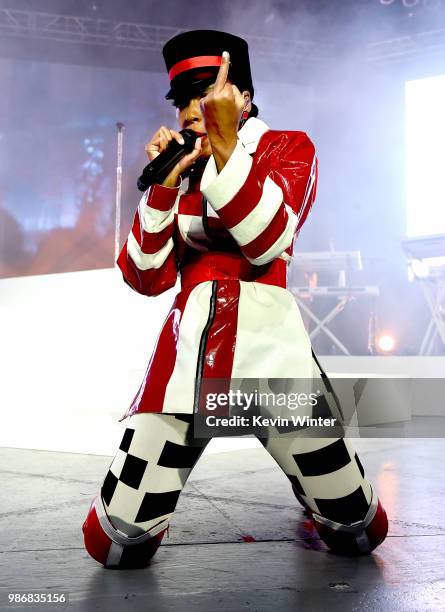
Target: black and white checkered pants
[158,453]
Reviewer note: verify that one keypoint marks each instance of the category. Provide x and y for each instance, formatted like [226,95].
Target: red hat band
[200,61]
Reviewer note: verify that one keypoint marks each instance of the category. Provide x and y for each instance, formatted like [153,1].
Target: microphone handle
[161,166]
[158,169]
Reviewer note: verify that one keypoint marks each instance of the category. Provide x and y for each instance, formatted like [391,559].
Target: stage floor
[205,564]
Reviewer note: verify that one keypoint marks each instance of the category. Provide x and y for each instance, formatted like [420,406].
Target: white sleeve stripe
[154,220]
[220,189]
[281,244]
[147,261]
[259,217]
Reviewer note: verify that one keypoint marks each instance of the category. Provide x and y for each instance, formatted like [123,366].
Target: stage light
[386,343]
[425,135]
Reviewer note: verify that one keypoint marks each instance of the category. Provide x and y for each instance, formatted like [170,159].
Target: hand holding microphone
[170,154]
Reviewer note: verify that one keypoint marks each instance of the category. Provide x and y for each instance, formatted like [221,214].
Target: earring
[245,114]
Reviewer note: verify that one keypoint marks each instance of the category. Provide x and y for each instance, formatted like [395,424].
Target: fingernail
[181,141]
[225,54]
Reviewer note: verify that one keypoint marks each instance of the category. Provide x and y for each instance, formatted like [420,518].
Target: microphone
[161,166]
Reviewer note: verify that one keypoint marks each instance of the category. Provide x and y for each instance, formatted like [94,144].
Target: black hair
[254,111]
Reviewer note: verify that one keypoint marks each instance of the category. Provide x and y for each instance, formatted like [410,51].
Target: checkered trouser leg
[326,475]
[144,481]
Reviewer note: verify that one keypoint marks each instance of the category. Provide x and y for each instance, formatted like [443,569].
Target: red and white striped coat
[230,238]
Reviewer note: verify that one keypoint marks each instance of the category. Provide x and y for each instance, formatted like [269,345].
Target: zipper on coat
[202,345]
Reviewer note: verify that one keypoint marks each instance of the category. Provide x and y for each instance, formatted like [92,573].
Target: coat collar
[251,133]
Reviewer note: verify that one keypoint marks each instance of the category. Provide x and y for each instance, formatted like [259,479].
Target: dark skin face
[217,112]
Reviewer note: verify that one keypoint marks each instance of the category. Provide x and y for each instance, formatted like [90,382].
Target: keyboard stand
[344,296]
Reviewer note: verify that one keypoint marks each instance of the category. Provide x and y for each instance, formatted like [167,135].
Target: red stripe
[151,394]
[199,61]
[221,338]
[151,242]
[213,265]
[219,231]
[161,197]
[243,202]
[378,527]
[148,282]
[190,204]
[310,199]
[268,236]
[290,249]
[97,543]
[220,345]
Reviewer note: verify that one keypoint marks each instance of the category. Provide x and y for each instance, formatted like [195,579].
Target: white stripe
[286,256]
[251,133]
[285,240]
[114,555]
[281,244]
[180,390]
[220,188]
[332,486]
[210,211]
[157,428]
[271,340]
[259,217]
[152,219]
[120,538]
[191,225]
[147,261]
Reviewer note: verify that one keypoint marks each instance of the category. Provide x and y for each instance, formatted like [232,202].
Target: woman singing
[225,219]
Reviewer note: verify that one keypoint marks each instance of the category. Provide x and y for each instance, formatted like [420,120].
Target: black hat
[193,59]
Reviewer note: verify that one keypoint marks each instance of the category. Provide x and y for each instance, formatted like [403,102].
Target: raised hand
[223,72]
[221,109]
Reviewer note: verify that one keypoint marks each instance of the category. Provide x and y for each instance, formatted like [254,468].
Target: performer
[226,219]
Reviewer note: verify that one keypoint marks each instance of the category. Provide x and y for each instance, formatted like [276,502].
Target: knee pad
[358,538]
[114,549]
